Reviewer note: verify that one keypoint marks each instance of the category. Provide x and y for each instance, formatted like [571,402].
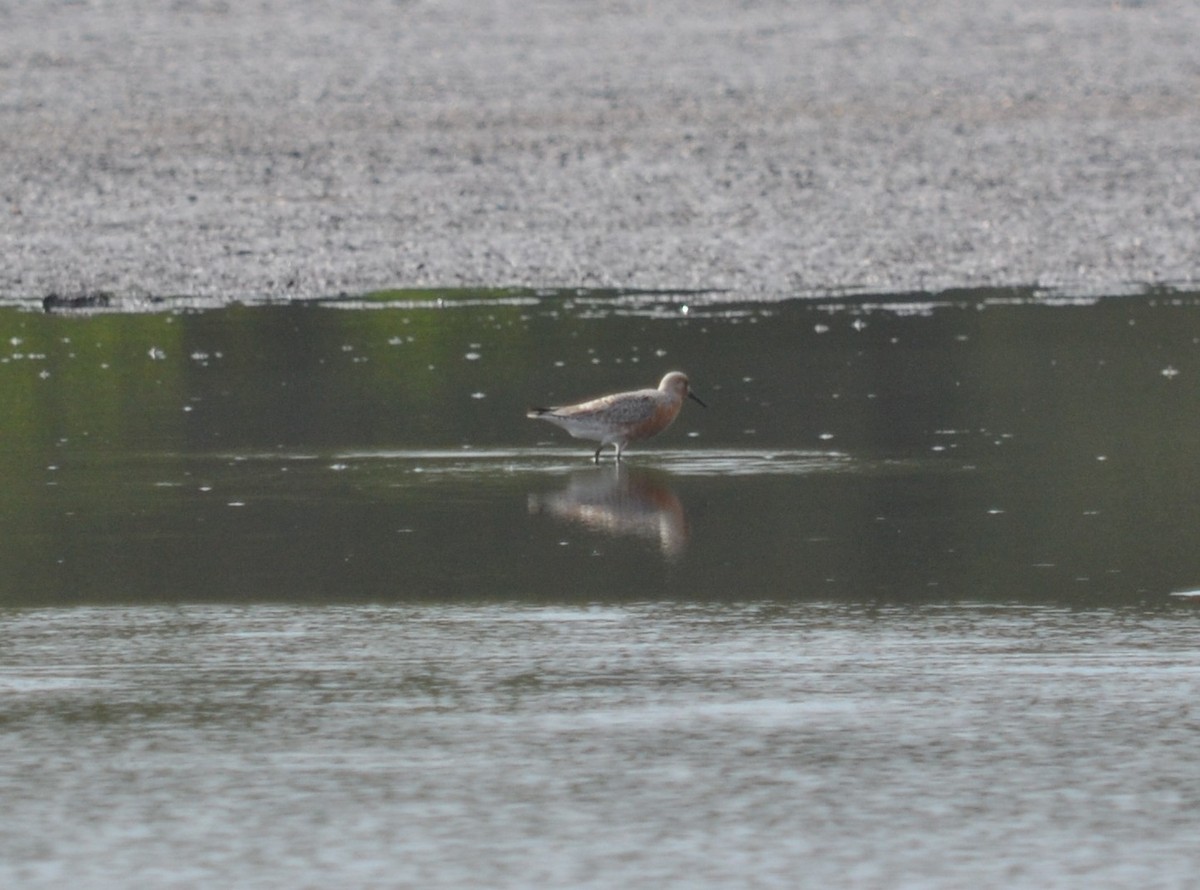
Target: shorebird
[622,417]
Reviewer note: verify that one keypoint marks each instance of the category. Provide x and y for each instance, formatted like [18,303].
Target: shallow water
[985,446]
[296,596]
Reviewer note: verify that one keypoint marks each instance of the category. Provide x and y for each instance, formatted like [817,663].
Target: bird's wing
[625,407]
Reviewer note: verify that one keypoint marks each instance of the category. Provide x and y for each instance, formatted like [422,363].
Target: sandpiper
[622,417]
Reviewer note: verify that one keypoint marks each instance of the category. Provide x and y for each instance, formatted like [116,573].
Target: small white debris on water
[156,354]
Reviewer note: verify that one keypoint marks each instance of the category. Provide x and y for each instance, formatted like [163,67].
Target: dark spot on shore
[54,302]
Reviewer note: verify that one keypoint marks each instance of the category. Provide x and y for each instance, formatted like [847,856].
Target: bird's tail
[538,412]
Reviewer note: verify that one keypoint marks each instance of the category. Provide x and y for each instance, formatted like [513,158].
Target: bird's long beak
[695,398]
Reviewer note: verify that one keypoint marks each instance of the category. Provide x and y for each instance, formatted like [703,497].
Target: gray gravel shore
[235,151]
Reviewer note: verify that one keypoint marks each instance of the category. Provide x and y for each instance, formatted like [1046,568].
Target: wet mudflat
[297,594]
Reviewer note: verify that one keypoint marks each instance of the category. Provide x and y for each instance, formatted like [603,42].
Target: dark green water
[983,445]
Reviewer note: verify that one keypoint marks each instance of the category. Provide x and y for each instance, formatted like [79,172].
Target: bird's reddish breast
[659,419]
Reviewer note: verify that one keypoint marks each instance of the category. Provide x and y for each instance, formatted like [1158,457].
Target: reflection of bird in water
[622,417]
[627,502]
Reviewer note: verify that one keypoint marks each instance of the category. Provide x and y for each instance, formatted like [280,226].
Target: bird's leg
[596,458]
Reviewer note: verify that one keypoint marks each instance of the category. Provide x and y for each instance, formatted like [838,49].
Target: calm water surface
[295,595]
[991,446]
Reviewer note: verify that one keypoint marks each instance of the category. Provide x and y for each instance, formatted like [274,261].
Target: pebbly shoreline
[216,151]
